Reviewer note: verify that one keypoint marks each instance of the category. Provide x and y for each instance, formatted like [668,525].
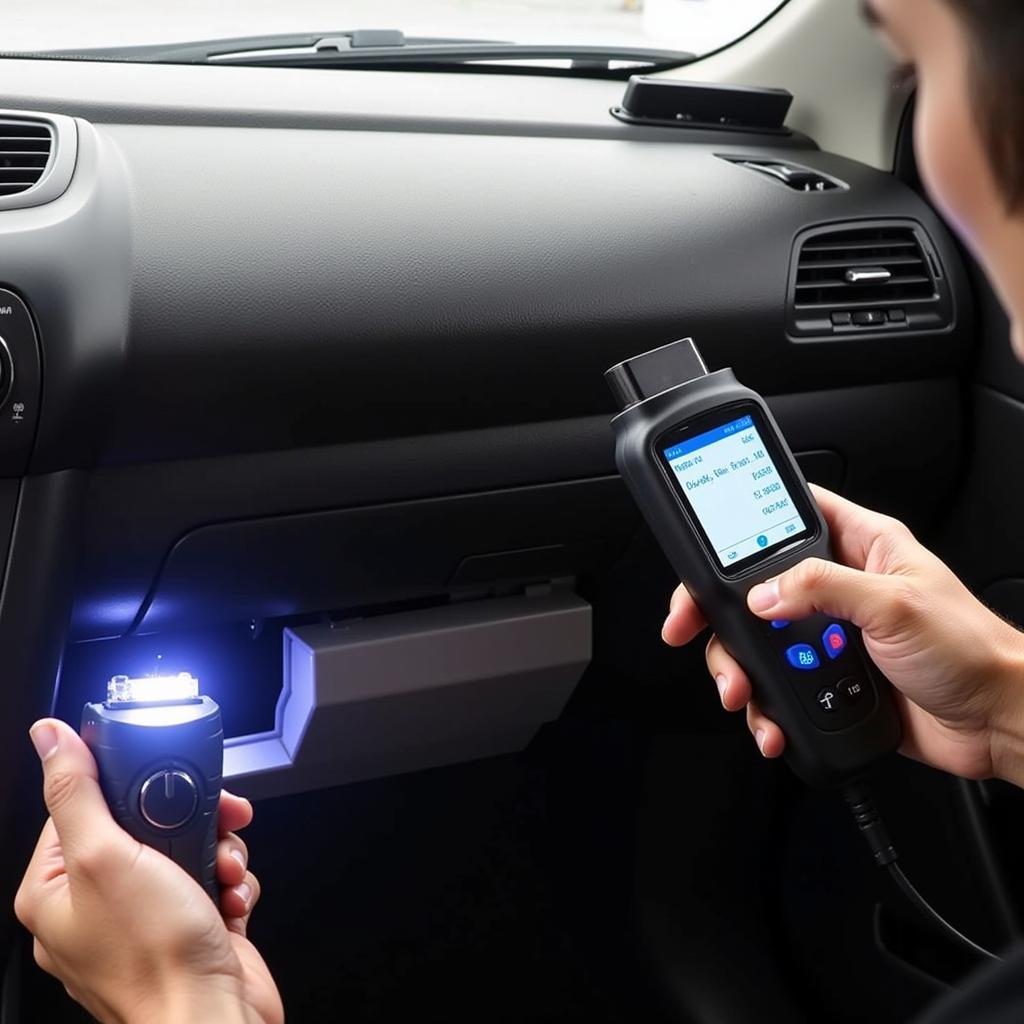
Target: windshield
[697,26]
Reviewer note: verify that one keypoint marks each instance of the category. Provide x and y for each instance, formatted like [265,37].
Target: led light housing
[159,752]
[124,691]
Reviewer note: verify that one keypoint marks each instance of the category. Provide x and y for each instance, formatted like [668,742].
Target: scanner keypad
[826,665]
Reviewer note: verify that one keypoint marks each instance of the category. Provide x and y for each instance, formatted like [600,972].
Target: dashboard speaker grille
[879,276]
[26,148]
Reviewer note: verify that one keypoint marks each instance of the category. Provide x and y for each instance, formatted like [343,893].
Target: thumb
[70,787]
[868,600]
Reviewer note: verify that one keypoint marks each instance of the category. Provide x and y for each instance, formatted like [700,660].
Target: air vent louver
[880,276]
[794,176]
[38,153]
[25,151]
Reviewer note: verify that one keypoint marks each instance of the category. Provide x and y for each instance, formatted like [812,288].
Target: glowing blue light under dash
[152,689]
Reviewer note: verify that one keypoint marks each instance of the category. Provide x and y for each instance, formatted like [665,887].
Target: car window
[696,26]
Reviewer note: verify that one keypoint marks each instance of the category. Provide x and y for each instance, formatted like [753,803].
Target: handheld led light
[159,748]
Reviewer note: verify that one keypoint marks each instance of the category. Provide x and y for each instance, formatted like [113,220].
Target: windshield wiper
[389,49]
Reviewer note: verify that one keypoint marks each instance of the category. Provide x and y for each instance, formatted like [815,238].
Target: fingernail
[244,891]
[763,596]
[759,740]
[44,739]
[239,856]
[723,684]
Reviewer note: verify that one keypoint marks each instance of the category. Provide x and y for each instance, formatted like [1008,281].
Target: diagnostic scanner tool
[719,487]
[159,747]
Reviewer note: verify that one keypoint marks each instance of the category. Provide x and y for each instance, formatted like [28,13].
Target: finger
[46,863]
[767,735]
[71,790]
[235,812]
[237,903]
[232,860]
[854,529]
[684,621]
[877,603]
[732,682]
[47,859]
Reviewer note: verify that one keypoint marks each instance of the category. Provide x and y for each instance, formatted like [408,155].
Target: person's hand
[957,667]
[129,933]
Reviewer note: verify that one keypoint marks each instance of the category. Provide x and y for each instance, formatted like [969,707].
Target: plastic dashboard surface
[309,287]
[327,290]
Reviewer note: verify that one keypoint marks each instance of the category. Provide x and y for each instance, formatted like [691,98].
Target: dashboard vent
[25,151]
[38,153]
[794,176]
[880,276]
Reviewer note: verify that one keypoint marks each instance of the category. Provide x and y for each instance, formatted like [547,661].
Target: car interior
[302,380]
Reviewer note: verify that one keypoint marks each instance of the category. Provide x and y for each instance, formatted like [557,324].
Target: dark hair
[995,29]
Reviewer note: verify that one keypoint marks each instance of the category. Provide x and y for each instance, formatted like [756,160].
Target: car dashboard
[302,351]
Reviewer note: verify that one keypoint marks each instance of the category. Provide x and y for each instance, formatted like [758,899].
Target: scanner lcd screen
[734,488]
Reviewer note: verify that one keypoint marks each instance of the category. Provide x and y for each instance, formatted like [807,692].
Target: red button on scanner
[834,640]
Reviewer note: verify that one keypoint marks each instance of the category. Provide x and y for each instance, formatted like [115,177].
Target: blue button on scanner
[834,640]
[803,657]
[780,623]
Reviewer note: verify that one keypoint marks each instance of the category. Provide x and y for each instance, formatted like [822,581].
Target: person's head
[968,56]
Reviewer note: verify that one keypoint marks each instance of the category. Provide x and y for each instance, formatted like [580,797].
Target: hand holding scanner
[713,476]
[159,747]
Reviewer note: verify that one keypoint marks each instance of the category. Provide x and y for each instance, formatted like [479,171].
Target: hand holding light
[130,935]
[159,747]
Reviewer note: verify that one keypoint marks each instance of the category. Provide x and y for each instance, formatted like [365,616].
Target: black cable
[872,828]
[899,877]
